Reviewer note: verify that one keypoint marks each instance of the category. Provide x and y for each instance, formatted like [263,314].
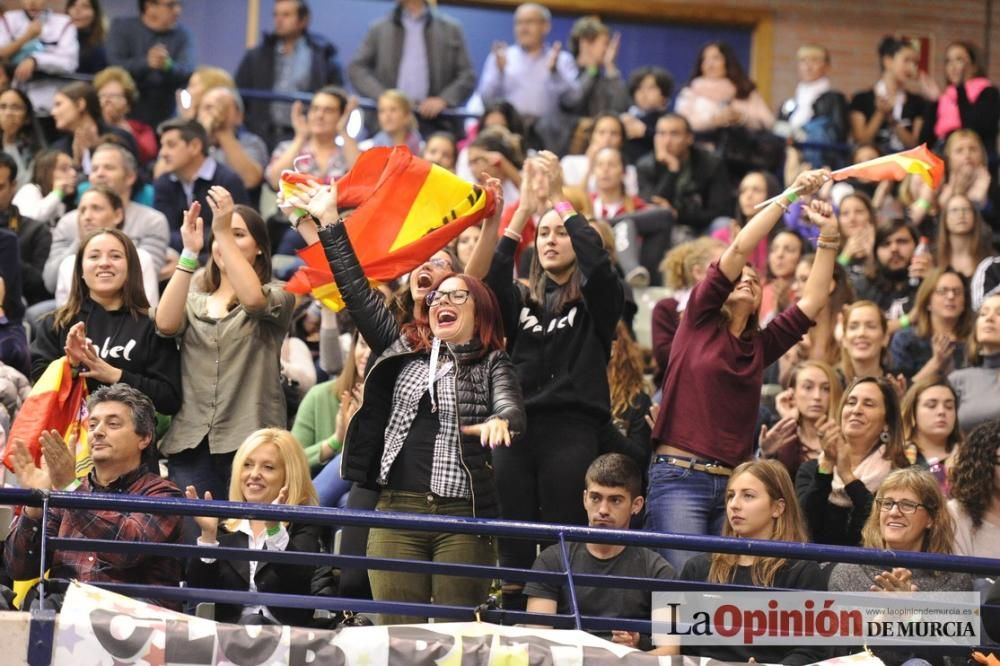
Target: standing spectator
[22,138]
[120,428]
[77,115]
[531,76]
[53,181]
[978,386]
[113,167]
[889,116]
[601,89]
[289,60]
[191,172]
[117,95]
[690,182]
[33,236]
[230,332]
[91,31]
[754,188]
[105,325]
[975,492]
[719,93]
[230,143]
[420,52]
[970,101]
[38,42]
[156,52]
[650,89]
[718,358]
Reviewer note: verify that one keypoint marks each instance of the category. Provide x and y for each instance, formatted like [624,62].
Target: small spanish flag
[405,210]
[919,161]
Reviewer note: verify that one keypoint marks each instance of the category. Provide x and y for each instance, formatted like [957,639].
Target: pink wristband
[564,208]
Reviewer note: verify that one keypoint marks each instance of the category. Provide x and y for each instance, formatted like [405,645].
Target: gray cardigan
[860,577]
[375,67]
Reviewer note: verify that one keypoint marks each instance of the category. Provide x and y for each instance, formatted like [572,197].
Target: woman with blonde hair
[396,122]
[760,504]
[269,468]
[117,94]
[203,79]
[930,427]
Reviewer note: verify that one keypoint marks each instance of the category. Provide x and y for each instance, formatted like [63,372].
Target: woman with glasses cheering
[440,393]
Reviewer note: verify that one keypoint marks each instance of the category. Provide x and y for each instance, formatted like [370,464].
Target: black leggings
[541,477]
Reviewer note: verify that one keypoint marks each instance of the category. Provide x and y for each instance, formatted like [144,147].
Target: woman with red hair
[440,393]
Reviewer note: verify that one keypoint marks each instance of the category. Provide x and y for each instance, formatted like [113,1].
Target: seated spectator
[441,149]
[13,340]
[88,19]
[117,94]
[22,138]
[230,143]
[755,188]
[968,174]
[600,88]
[891,280]
[970,100]
[934,343]
[816,113]
[421,52]
[397,126]
[930,428]
[690,182]
[975,493]
[77,115]
[610,197]
[985,281]
[864,343]
[860,449]
[202,79]
[229,329]
[53,182]
[101,208]
[500,113]
[268,468]
[156,52]
[113,167]
[465,243]
[963,240]
[38,43]
[497,153]
[682,268]
[858,219]
[289,60]
[719,93]
[191,173]
[909,515]
[813,393]
[14,389]
[120,427]
[821,339]
[33,236]
[785,250]
[978,386]
[536,78]
[321,424]
[314,147]
[578,170]
[105,326]
[888,115]
[639,240]
[650,89]
[612,498]
[760,504]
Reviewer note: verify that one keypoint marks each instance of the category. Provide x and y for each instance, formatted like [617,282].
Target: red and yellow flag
[920,161]
[405,210]
[58,401]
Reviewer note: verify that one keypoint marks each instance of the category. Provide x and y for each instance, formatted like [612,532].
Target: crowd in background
[824,368]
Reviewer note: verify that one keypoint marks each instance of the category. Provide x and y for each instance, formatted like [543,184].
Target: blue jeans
[683,501]
[332,489]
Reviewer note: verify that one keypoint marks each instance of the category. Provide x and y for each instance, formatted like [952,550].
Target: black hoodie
[148,362]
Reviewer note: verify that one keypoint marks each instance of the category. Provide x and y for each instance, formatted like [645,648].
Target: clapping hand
[193,229]
[300,124]
[220,201]
[209,525]
[282,498]
[81,353]
[779,436]
[897,580]
[553,57]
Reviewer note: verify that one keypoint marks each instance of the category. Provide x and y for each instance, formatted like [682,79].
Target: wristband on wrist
[71,486]
[188,260]
[273,531]
[593,70]
[565,209]
[904,321]
[513,235]
[826,245]
[791,196]
[844,259]
[168,64]
[923,203]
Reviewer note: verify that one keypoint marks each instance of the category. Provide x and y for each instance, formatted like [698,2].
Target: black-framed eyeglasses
[905,506]
[455,297]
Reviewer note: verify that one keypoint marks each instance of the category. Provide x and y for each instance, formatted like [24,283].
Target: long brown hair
[895,451]
[133,293]
[831,376]
[95,36]
[212,277]
[940,535]
[922,317]
[349,377]
[973,481]
[568,293]
[981,247]
[625,371]
[909,412]
[789,526]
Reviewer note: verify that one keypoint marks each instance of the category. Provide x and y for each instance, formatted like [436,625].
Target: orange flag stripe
[919,161]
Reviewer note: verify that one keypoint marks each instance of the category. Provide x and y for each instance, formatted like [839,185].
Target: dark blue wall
[219,29]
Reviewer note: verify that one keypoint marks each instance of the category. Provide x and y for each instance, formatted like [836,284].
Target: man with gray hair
[120,428]
[113,166]
[221,114]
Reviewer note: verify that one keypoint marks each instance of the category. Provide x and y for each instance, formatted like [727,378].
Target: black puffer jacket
[486,385]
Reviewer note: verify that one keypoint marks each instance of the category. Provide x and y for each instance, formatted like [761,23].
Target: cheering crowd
[824,366]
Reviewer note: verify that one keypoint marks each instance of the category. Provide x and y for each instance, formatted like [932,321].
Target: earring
[260,251]
[884,437]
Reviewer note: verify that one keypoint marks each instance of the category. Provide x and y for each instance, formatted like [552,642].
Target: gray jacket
[375,67]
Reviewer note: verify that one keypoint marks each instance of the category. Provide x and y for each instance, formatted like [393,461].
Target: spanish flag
[919,161]
[57,401]
[405,210]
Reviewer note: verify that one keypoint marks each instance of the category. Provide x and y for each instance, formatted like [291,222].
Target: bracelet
[273,531]
[73,485]
[904,321]
[178,267]
[782,205]
[511,234]
[923,203]
[824,245]
[564,208]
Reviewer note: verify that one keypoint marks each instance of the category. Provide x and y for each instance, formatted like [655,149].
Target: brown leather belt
[706,466]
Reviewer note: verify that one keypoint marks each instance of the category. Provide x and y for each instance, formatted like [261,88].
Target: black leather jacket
[486,384]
